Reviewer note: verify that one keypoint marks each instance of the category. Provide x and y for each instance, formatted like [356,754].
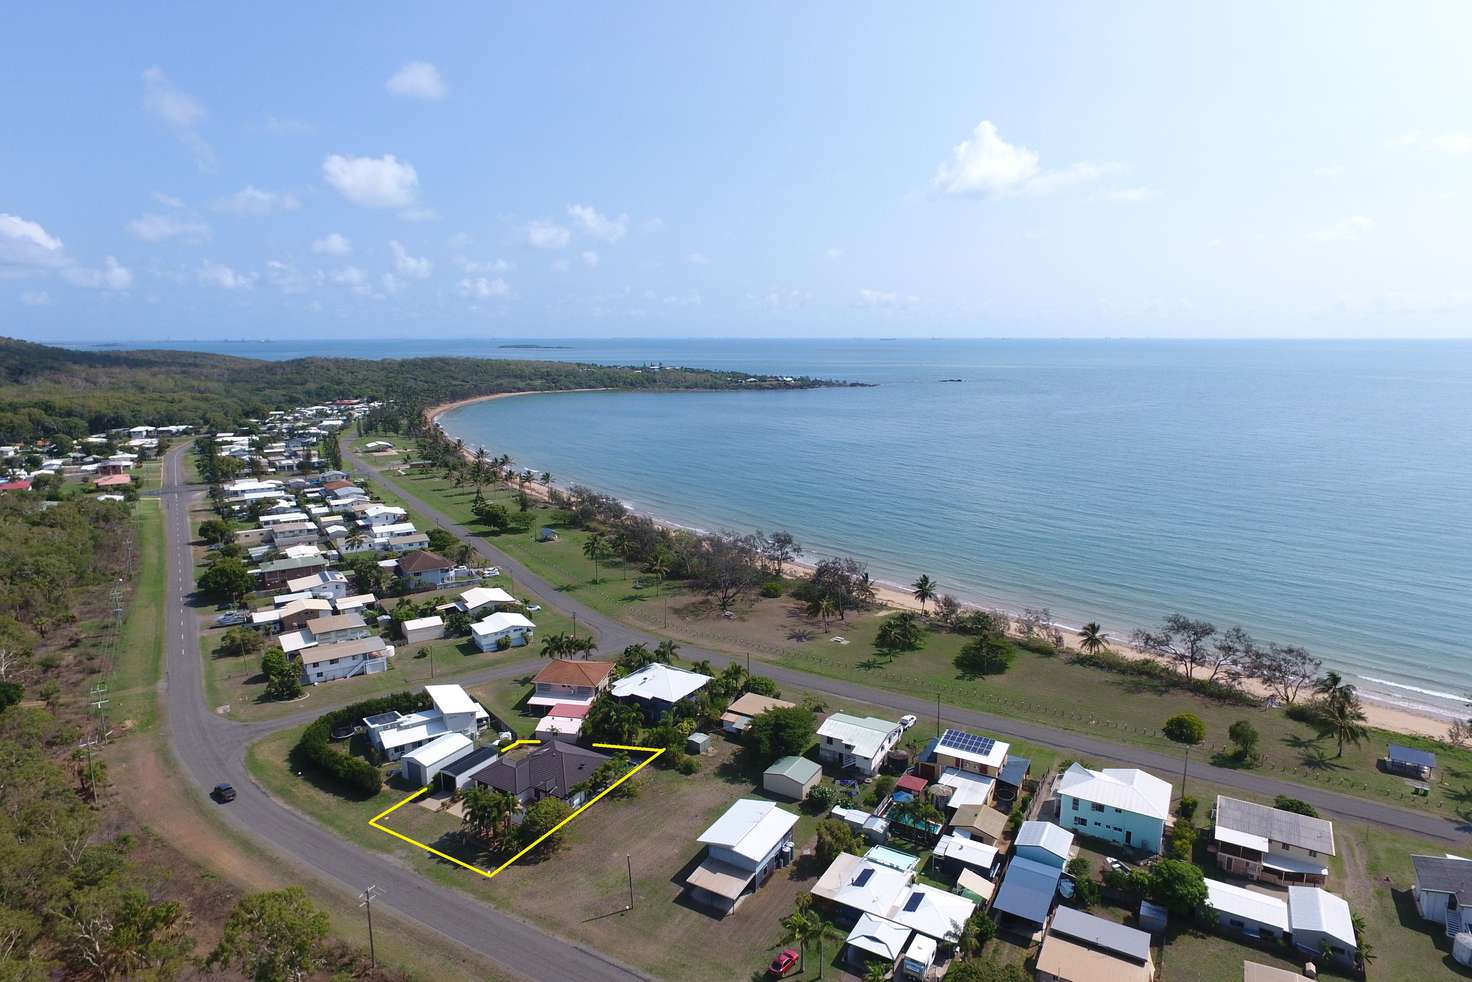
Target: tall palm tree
[1343,718]
[924,590]
[666,652]
[487,813]
[659,566]
[827,608]
[1091,638]
[800,927]
[593,549]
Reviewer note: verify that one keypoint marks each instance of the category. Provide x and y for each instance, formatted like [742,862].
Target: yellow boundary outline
[374,821]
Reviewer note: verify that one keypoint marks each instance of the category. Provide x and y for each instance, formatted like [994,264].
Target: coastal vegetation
[47,391]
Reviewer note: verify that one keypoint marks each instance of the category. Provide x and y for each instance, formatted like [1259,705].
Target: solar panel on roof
[863,876]
[967,742]
[913,904]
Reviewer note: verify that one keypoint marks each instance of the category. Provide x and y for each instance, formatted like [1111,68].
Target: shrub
[1163,675]
[1187,808]
[986,655]
[822,797]
[687,764]
[541,818]
[315,749]
[1086,889]
[879,790]
[10,695]
[1182,840]
[834,837]
[1295,805]
[781,732]
[771,589]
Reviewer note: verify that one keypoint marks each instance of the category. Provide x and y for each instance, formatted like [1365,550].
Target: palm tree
[593,549]
[1343,718]
[827,608]
[486,813]
[800,927]
[666,653]
[659,566]
[875,971]
[924,590]
[1091,638]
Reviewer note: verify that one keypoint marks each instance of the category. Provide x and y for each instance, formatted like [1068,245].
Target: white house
[326,584]
[515,629]
[656,688]
[1443,891]
[1321,921]
[562,722]
[858,742]
[420,766]
[1245,911]
[423,629]
[475,600]
[1120,804]
[743,848]
[326,662]
[394,734]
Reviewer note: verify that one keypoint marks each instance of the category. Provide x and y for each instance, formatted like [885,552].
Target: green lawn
[140,649]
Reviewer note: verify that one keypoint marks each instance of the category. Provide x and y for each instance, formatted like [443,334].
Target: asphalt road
[212,749]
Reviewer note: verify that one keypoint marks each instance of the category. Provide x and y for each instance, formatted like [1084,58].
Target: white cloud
[373,182]
[560,266]
[168,200]
[152,227]
[407,265]
[351,277]
[697,259]
[391,283]
[252,201]
[491,266]
[1454,142]
[1129,195]
[590,259]
[112,276]
[597,225]
[884,299]
[180,111]
[833,254]
[285,277]
[35,298]
[548,235]
[222,276]
[333,244]
[419,213]
[25,245]
[985,164]
[484,288]
[418,80]
[1351,229]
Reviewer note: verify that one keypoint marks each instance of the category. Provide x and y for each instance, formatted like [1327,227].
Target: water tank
[1462,948]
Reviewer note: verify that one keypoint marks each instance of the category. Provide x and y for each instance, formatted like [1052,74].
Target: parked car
[230,617]
[223,793]
[907,721]
[783,964]
[533,608]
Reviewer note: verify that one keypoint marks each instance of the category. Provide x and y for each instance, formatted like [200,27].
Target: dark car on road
[223,793]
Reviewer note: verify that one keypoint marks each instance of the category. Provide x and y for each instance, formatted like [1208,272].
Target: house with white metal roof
[421,765]
[858,742]
[1321,923]
[657,688]
[499,630]
[1044,842]
[743,848]
[484,599]
[1246,911]
[1259,842]
[394,734]
[967,788]
[1123,805]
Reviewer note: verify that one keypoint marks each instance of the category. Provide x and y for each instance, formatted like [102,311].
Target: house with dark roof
[424,569]
[1443,891]
[1419,764]
[1079,947]
[1262,843]
[550,770]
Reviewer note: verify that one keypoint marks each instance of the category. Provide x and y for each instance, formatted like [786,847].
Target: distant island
[538,347]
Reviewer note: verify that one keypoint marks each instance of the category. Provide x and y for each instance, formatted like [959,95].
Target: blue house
[1122,805]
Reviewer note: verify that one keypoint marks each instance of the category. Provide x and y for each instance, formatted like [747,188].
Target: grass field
[1039,688]
[140,648]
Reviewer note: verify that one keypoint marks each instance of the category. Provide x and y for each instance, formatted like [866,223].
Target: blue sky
[675,169]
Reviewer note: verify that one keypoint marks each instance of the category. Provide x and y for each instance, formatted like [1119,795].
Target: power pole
[937,714]
[91,771]
[630,859]
[99,703]
[367,897]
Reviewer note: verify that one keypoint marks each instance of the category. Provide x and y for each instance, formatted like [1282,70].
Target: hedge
[1157,671]
[315,749]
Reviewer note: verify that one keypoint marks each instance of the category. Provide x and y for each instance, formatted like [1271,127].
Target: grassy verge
[141,644]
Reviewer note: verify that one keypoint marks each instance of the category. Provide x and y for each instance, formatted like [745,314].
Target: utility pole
[574,623]
[630,859]
[937,714]
[99,703]
[367,898]
[91,771]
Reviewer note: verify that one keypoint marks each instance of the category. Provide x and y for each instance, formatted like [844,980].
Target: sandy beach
[1379,714]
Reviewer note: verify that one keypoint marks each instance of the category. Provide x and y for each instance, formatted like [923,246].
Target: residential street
[212,749]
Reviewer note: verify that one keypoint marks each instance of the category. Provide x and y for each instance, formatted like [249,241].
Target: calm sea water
[1316,493]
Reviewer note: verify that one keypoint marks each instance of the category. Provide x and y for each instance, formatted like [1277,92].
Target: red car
[783,964]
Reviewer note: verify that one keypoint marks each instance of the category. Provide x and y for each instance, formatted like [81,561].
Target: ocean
[1316,493]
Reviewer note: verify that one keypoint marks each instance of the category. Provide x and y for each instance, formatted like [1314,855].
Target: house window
[1075,804]
[1096,806]
[1312,853]
[1080,820]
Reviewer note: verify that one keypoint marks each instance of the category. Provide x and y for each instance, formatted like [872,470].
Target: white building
[1443,891]
[1245,911]
[421,629]
[657,688]
[326,662]
[393,733]
[1120,804]
[858,742]
[327,584]
[420,766]
[1321,921]
[743,848]
[475,600]
[515,629]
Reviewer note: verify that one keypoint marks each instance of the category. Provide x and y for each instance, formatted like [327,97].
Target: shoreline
[1380,711]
